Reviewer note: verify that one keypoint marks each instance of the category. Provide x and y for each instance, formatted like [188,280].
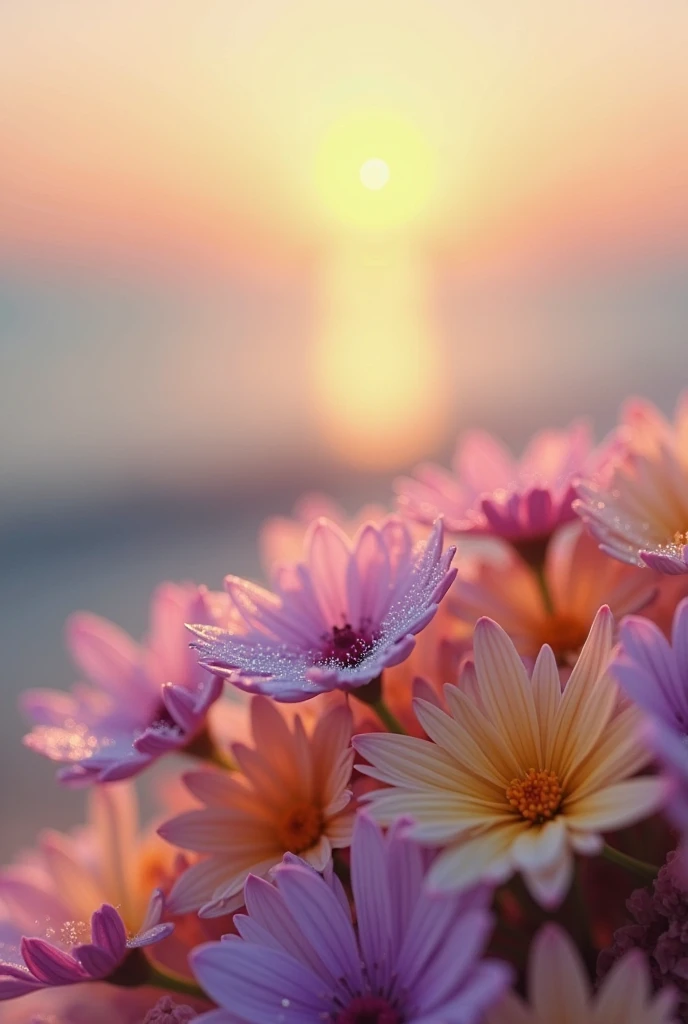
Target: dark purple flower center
[369,1010]
[346,646]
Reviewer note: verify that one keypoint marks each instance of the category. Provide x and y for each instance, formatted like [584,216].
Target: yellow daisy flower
[518,775]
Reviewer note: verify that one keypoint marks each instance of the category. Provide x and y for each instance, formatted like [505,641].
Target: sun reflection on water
[380,393]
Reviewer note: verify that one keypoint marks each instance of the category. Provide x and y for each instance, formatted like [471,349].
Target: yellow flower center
[537,796]
[301,828]
[565,635]
[681,539]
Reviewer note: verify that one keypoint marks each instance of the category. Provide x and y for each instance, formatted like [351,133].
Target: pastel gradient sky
[193,280]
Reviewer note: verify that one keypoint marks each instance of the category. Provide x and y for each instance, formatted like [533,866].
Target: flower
[490,492]
[659,930]
[557,979]
[291,795]
[642,427]
[654,674]
[281,539]
[579,580]
[519,775]
[336,620]
[169,1012]
[299,960]
[640,514]
[75,908]
[144,702]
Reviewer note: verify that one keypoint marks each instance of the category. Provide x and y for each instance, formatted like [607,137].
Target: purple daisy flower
[336,620]
[413,958]
[37,963]
[143,701]
[49,897]
[654,674]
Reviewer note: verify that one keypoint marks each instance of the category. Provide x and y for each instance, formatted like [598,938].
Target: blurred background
[250,249]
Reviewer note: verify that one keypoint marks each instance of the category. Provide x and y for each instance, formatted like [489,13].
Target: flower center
[162,717]
[565,635]
[300,828]
[681,539]
[537,796]
[369,1010]
[346,646]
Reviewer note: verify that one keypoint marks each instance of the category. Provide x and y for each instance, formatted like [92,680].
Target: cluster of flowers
[429,792]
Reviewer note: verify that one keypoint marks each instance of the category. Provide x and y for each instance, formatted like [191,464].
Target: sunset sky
[136,127]
[194,275]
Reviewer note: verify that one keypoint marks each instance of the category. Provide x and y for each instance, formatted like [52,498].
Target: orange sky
[194,128]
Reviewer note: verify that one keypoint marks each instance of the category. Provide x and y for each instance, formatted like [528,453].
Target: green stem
[539,571]
[371,694]
[171,982]
[204,747]
[647,872]
[390,721]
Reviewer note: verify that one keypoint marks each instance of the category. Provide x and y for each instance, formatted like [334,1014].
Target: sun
[374,173]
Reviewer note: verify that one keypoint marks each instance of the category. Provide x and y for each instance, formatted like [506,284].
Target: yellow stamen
[537,796]
[301,828]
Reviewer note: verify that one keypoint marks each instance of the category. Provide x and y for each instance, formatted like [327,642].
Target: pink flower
[281,539]
[579,579]
[143,701]
[73,909]
[490,492]
[412,959]
[335,621]
[557,979]
[291,794]
[642,427]
[640,514]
